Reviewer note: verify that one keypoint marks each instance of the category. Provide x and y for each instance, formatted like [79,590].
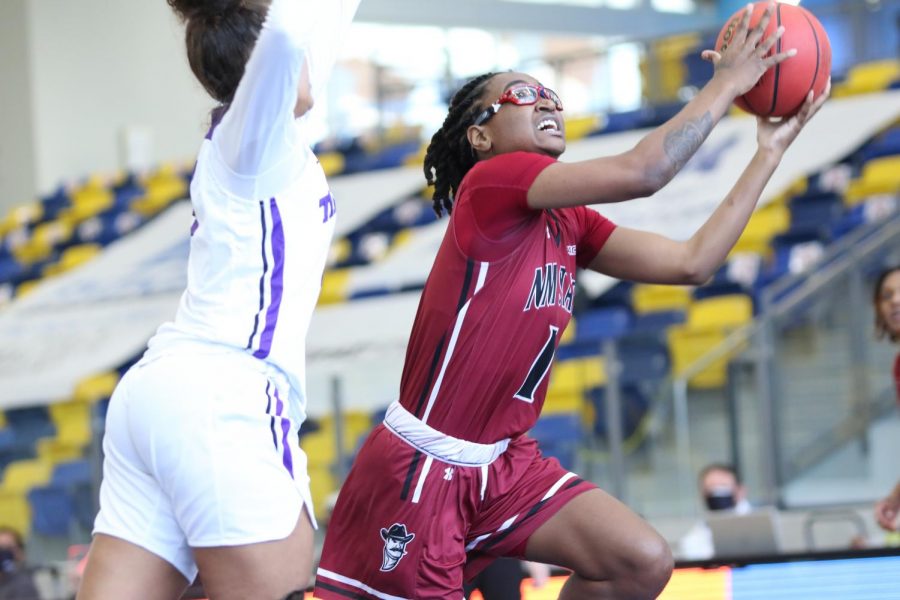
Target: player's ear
[479,138]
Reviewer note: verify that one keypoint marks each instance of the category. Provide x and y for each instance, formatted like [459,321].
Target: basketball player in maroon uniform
[450,480]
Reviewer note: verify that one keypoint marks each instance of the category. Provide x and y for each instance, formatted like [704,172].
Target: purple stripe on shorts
[286,457]
[271,418]
[276,283]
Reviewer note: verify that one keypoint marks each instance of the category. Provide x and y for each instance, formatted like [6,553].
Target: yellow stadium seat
[565,402]
[322,483]
[73,422]
[579,127]
[577,375]
[334,286]
[22,475]
[416,159]
[687,345]
[868,77]
[879,176]
[340,251]
[55,451]
[651,298]
[90,200]
[402,237]
[15,512]
[72,257]
[163,187]
[95,387]
[332,163]
[663,83]
[2,419]
[26,287]
[568,334]
[320,446]
[765,223]
[720,312]
[44,239]
[24,214]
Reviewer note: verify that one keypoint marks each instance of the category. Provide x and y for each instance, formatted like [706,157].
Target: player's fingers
[771,61]
[757,32]
[769,42]
[743,27]
[711,56]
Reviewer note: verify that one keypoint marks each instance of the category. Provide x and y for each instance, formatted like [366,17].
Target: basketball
[783,88]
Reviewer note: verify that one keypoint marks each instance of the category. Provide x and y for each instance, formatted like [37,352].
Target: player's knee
[653,565]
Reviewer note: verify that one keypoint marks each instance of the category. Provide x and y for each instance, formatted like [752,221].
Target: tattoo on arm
[680,145]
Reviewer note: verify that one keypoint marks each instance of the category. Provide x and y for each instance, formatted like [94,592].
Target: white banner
[96,317]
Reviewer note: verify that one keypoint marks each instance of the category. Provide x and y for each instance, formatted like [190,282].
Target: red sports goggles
[522,95]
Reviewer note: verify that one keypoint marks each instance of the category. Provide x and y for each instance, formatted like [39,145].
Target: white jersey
[264,213]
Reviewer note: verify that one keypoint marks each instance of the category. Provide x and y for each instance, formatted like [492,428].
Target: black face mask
[722,499]
[7,560]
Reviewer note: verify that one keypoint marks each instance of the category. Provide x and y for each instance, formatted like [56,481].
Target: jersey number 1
[538,369]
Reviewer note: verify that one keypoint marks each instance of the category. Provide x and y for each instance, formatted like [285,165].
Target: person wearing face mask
[720,490]
[16,582]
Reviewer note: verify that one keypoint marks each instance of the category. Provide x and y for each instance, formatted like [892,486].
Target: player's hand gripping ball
[781,91]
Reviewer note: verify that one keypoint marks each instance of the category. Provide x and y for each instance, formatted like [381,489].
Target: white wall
[17,175]
[96,67]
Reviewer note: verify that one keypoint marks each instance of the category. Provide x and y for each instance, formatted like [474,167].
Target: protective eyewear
[521,95]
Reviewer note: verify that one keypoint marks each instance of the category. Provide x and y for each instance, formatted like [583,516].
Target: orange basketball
[783,88]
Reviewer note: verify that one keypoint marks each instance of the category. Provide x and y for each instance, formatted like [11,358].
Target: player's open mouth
[549,124]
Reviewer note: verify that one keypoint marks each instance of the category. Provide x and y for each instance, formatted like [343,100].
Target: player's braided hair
[449,155]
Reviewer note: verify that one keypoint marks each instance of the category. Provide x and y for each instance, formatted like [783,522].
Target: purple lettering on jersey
[328,207]
[276,283]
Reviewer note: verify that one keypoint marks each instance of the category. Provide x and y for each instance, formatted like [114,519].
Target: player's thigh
[263,570]
[119,569]
[599,538]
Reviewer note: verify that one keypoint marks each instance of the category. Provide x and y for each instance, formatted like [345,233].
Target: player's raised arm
[648,257]
[657,158]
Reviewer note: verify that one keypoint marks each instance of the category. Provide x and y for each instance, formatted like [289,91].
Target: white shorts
[201,450]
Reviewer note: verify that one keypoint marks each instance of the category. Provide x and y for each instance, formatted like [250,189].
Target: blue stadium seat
[30,424]
[886,144]
[634,406]
[618,295]
[71,473]
[722,287]
[657,322]
[52,510]
[558,436]
[644,360]
[816,210]
[601,324]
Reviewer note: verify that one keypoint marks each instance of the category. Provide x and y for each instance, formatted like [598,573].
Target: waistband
[443,447]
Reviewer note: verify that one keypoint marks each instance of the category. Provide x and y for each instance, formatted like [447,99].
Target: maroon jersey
[495,305]
[897,375]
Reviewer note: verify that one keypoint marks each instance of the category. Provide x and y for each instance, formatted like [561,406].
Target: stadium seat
[720,312]
[653,298]
[55,450]
[91,199]
[15,511]
[162,188]
[817,210]
[21,216]
[884,144]
[634,408]
[44,240]
[603,323]
[335,284]
[22,475]
[765,223]
[657,322]
[868,77]
[72,257]
[30,424]
[52,510]
[580,127]
[94,388]
[574,376]
[559,436]
[332,163]
[687,345]
[879,176]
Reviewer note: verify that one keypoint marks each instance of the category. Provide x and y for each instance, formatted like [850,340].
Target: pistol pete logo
[395,540]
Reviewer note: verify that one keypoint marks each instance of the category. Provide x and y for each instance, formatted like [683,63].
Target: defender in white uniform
[202,463]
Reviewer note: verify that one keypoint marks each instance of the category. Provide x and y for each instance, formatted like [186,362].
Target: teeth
[547,124]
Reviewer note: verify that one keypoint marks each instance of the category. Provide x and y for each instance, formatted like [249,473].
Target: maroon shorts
[408,525]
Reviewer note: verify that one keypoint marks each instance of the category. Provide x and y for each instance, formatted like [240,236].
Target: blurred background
[771,367]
